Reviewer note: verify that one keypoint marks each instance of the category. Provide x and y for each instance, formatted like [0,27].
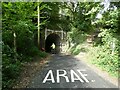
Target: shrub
[10,71]
[76,52]
[102,57]
[42,54]
[33,51]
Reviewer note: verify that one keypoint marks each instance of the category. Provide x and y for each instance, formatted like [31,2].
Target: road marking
[83,76]
[51,75]
[62,73]
[73,78]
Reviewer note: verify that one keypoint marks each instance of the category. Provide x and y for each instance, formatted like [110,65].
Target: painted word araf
[73,75]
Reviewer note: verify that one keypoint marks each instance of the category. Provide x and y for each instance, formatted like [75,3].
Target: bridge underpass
[52,38]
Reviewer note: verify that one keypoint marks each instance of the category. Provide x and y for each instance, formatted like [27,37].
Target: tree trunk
[15,47]
[38,25]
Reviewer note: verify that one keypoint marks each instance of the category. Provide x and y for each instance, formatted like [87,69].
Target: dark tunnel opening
[52,38]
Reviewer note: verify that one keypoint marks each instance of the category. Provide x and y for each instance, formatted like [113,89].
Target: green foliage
[77,36]
[17,18]
[34,51]
[102,57]
[42,54]
[72,49]
[105,52]
[83,14]
[56,16]
[10,67]
[10,72]
[76,52]
[20,18]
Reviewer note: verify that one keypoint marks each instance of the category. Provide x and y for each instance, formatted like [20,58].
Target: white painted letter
[51,75]
[73,78]
[83,76]
[61,75]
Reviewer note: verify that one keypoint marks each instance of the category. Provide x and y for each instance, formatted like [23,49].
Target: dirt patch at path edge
[29,70]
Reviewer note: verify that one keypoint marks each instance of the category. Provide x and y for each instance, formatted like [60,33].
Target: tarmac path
[65,71]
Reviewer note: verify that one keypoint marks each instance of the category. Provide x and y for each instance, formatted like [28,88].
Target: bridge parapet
[60,33]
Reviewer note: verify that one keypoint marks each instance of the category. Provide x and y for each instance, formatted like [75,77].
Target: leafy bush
[82,49]
[76,52]
[106,54]
[10,69]
[33,51]
[102,57]
[42,54]
[73,49]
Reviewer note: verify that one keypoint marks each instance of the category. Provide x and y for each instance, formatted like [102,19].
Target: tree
[18,38]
